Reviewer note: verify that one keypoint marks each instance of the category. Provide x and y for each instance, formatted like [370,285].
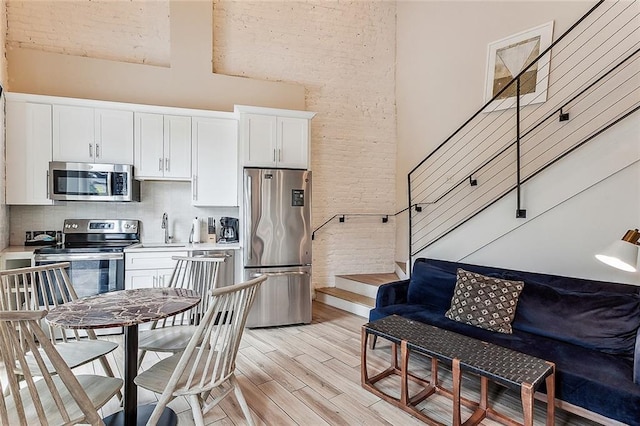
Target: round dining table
[126,308]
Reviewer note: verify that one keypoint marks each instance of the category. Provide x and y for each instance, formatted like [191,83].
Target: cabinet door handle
[166,164]
[279,154]
[90,150]
[194,186]
[159,164]
[48,190]
[274,155]
[155,281]
[97,150]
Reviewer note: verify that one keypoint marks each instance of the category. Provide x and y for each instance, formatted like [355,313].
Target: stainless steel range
[95,249]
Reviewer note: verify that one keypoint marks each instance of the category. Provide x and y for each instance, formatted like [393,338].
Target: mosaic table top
[500,364]
[122,308]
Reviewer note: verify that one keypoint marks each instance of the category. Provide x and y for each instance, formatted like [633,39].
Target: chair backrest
[208,364]
[39,288]
[197,273]
[50,400]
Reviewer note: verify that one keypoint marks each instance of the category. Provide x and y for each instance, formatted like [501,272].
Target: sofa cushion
[484,302]
[431,285]
[599,320]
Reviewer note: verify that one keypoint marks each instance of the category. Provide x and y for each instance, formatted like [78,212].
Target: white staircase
[354,293]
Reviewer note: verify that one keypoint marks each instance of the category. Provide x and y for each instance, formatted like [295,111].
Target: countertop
[150,247]
[19,252]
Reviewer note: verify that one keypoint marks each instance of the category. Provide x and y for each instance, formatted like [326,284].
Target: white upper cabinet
[293,138]
[92,135]
[274,138]
[28,152]
[215,162]
[162,146]
[260,140]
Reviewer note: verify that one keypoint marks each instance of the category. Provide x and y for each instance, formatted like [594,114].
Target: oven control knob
[74,226]
[127,226]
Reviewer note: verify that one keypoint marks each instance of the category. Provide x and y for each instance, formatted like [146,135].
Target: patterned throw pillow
[484,302]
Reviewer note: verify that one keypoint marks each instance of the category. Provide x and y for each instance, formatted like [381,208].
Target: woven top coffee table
[512,369]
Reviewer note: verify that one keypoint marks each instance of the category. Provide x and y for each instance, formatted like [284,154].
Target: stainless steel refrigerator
[277,241]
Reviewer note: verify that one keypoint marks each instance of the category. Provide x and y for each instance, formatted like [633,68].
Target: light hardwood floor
[310,375]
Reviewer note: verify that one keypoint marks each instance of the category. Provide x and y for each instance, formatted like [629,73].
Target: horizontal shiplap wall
[344,54]
[127,31]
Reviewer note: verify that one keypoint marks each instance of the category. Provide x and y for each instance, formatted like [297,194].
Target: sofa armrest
[392,293]
[636,360]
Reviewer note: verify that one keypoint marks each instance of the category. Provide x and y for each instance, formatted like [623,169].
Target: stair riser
[357,287]
[345,305]
[400,270]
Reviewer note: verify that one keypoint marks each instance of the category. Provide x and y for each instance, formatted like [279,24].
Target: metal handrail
[540,124]
[535,127]
[497,95]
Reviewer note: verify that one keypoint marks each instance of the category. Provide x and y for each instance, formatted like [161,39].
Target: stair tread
[372,279]
[348,295]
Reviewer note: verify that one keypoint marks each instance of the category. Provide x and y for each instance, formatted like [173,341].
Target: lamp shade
[622,254]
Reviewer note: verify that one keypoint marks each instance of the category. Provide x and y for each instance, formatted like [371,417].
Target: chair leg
[109,372]
[196,410]
[164,399]
[141,357]
[240,397]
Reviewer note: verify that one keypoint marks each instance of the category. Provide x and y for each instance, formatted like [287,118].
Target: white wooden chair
[172,334]
[208,362]
[43,288]
[58,399]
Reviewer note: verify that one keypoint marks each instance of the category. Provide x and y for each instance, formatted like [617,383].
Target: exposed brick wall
[344,54]
[4,210]
[129,31]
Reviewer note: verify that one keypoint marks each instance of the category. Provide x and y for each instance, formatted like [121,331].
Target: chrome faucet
[165,226]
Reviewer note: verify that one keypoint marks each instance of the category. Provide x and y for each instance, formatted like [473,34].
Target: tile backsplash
[156,197]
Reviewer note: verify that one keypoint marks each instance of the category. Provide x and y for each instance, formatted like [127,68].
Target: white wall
[570,216]
[574,209]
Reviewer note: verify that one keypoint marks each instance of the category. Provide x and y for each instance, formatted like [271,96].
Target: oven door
[91,274]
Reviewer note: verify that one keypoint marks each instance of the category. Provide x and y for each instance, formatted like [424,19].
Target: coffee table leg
[527,403]
[404,382]
[551,396]
[457,375]
[484,393]
[364,375]
[434,372]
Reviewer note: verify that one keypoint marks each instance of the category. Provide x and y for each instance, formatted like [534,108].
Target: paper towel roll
[196,230]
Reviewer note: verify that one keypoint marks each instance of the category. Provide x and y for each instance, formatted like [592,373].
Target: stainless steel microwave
[92,182]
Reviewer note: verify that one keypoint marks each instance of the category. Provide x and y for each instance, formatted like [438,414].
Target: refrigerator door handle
[247,219]
[278,274]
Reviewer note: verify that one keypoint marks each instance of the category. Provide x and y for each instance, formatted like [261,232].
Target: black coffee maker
[228,230]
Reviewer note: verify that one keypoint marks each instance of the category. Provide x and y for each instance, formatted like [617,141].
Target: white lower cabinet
[149,269]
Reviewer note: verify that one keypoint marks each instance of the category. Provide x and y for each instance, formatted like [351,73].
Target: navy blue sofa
[589,329]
